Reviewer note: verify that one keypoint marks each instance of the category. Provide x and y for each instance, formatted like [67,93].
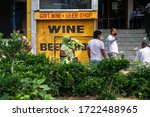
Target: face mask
[69,42]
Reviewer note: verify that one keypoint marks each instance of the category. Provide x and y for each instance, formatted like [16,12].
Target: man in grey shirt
[96,49]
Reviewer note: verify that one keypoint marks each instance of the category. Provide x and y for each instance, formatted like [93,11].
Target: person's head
[19,31]
[145,43]
[66,40]
[97,34]
[113,31]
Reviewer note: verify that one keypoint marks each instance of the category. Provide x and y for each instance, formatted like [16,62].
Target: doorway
[112,13]
[20,15]
[6,26]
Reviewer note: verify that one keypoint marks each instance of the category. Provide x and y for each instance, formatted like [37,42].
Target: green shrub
[119,84]
[23,86]
[91,86]
[106,95]
[27,76]
[78,80]
[109,71]
[138,82]
[28,80]
[109,67]
[68,76]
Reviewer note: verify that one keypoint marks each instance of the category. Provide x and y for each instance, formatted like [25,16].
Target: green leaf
[48,97]
[26,97]
[40,81]
[44,87]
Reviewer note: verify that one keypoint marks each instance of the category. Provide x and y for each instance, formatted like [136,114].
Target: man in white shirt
[112,43]
[96,49]
[143,55]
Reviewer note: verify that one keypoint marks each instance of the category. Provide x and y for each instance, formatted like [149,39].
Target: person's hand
[29,47]
[69,57]
[116,38]
[24,40]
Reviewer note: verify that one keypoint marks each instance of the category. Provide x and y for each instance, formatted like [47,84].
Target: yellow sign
[50,33]
[65,15]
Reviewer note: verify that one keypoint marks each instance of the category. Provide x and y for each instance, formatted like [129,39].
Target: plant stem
[12,66]
[110,86]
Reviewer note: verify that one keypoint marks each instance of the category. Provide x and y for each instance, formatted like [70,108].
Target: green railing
[147,24]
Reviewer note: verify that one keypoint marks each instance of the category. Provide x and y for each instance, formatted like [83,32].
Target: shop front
[56,18]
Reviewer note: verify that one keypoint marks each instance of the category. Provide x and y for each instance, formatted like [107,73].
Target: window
[65,4]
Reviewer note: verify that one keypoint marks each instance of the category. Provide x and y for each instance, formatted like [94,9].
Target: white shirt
[95,47]
[112,44]
[144,55]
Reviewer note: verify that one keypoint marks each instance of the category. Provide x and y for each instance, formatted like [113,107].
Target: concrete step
[139,35]
[131,58]
[129,43]
[124,31]
[127,48]
[129,53]
[129,40]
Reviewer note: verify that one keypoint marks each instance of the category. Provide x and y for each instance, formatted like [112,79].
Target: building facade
[46,21]
[16,13]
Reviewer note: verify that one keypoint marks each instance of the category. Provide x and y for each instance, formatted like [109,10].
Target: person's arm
[102,49]
[148,5]
[89,53]
[113,39]
[103,53]
[138,56]
[73,53]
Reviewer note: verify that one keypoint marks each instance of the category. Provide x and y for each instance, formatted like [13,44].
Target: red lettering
[56,15]
[44,16]
[85,15]
[71,15]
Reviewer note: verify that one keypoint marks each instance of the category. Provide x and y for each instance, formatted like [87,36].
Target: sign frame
[65,15]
